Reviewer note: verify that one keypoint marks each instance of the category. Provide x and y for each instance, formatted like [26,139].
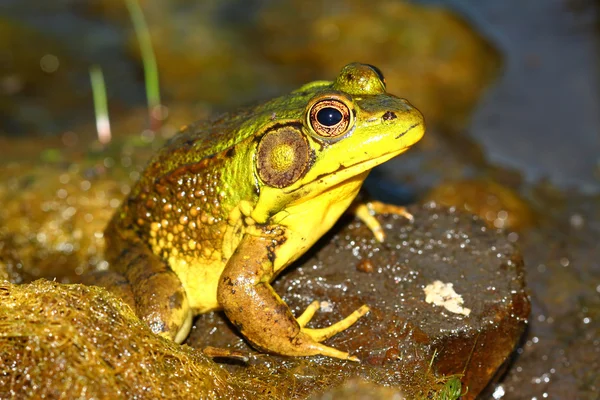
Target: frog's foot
[306,343]
[185,328]
[320,334]
[161,302]
[366,213]
[170,318]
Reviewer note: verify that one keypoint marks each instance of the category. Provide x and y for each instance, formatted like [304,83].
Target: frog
[229,203]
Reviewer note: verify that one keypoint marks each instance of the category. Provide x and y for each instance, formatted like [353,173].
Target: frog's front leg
[366,213]
[260,314]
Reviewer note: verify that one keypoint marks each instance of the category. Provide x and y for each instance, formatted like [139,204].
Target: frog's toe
[308,313]
[184,331]
[335,353]
[320,334]
[384,208]
[366,213]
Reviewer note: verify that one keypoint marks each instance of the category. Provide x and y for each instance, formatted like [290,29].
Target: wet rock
[560,357]
[498,205]
[417,348]
[404,342]
[54,210]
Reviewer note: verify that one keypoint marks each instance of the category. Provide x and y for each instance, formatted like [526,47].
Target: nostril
[388,116]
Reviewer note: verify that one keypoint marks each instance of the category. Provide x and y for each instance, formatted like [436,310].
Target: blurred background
[519,79]
[510,90]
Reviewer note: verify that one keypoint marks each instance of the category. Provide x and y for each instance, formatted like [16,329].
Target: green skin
[228,204]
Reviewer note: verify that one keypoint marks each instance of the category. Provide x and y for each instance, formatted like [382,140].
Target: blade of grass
[100,104]
[148,60]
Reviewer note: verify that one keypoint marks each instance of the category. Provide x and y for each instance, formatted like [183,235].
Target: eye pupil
[329,116]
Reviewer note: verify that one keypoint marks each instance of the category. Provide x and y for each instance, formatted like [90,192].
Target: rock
[560,356]
[404,342]
[498,205]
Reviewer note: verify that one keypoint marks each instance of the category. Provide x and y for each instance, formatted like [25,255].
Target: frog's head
[331,134]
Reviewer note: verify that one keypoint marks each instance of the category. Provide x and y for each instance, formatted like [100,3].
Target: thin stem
[148,59]
[100,104]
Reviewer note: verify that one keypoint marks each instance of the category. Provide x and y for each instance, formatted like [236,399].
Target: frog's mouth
[343,174]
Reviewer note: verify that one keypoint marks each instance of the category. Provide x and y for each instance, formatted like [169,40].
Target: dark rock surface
[560,357]
[403,341]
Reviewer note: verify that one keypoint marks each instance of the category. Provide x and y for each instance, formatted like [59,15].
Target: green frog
[227,204]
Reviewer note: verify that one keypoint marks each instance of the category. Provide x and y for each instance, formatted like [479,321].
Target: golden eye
[329,118]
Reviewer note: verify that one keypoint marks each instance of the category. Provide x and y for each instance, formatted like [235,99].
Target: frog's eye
[283,157]
[330,118]
[378,72]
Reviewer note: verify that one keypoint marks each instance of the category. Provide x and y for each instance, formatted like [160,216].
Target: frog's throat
[343,174]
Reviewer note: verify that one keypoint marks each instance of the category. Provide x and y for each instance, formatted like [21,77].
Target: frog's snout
[408,117]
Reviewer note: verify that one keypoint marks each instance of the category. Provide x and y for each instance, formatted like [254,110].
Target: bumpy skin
[228,204]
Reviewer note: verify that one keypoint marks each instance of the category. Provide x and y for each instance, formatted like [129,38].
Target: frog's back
[179,207]
[199,141]
[205,139]
[203,167]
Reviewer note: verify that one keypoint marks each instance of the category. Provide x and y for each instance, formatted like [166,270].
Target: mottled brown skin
[187,202]
[227,204]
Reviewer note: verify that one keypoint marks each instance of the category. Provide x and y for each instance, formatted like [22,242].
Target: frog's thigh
[258,312]
[160,299]
[114,282]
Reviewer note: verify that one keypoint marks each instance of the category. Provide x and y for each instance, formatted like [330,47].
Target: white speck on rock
[326,306]
[443,294]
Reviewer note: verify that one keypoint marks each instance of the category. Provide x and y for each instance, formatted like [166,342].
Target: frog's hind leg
[149,285]
[160,299]
[114,282]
